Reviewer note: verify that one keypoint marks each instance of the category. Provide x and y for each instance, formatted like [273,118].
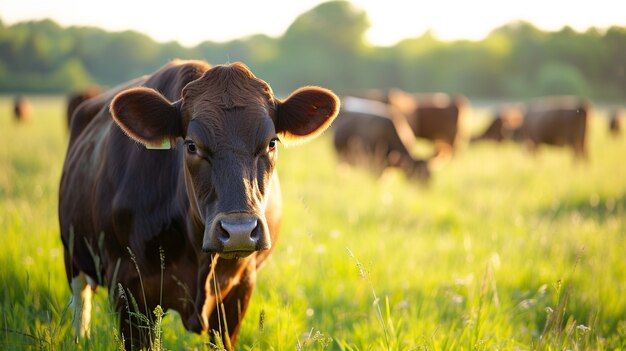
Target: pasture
[503,250]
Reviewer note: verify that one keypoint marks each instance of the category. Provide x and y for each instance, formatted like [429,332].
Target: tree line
[326,46]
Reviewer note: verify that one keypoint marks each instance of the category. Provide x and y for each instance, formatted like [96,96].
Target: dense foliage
[327,46]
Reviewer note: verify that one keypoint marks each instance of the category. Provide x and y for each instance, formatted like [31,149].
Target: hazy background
[504,249]
[487,49]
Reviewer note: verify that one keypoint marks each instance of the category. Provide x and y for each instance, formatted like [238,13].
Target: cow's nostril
[223,234]
[256,233]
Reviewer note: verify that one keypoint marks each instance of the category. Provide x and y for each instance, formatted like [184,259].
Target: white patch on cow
[81,304]
[365,106]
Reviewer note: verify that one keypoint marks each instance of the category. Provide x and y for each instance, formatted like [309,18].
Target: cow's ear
[306,113]
[147,116]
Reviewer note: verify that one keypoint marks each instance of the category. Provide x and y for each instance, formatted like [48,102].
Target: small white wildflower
[583,328]
[494,259]
[320,249]
[457,299]
[549,310]
[528,303]
[56,252]
[594,200]
[28,261]
[386,198]
[403,305]
[542,289]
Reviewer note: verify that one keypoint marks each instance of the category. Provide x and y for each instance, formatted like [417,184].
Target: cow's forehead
[227,87]
[251,124]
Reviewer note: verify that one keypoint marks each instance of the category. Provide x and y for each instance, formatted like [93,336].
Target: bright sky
[191,22]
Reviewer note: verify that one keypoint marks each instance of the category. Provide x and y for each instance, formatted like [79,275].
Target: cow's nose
[236,234]
[239,235]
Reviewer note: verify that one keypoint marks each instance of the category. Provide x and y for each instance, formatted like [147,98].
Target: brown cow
[615,121]
[21,109]
[436,117]
[369,134]
[78,97]
[185,228]
[505,121]
[560,121]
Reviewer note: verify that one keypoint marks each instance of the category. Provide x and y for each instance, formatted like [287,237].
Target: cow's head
[227,125]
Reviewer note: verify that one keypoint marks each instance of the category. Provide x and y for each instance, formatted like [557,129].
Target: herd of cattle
[209,200]
[379,129]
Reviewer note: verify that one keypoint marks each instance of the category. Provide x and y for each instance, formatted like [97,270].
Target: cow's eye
[191,147]
[272,145]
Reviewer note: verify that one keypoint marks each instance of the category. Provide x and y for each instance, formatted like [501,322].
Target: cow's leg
[532,147]
[234,306]
[81,304]
[197,321]
[580,154]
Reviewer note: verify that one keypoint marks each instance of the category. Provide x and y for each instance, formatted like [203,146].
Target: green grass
[502,250]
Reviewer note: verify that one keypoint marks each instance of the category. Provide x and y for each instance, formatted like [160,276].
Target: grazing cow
[501,128]
[187,227]
[21,109]
[560,121]
[436,117]
[615,122]
[77,98]
[372,134]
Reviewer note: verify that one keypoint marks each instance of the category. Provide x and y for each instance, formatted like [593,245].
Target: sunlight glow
[191,22]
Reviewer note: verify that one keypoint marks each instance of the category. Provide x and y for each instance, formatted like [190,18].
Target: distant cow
[505,121]
[187,227]
[21,109]
[615,122]
[79,97]
[436,117]
[560,121]
[366,134]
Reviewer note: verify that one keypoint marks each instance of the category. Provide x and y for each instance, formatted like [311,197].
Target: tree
[336,25]
[324,45]
[614,72]
[558,78]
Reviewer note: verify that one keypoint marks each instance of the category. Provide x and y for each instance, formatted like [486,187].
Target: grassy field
[502,251]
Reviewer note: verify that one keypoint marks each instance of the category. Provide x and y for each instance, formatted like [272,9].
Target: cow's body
[505,121]
[615,122]
[436,117]
[555,121]
[366,135]
[21,109]
[184,228]
[559,121]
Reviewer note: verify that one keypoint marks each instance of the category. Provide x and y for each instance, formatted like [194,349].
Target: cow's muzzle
[236,235]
